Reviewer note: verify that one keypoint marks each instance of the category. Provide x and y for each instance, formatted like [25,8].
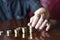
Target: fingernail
[35,27]
[28,24]
[40,28]
[46,30]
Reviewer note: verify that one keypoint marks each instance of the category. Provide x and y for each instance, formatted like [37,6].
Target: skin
[40,19]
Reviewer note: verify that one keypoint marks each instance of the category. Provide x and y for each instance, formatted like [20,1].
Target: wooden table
[52,34]
[37,35]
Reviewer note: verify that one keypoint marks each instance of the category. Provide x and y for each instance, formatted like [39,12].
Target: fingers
[43,25]
[31,20]
[35,20]
[48,26]
[39,22]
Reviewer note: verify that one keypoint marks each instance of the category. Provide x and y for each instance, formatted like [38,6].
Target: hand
[40,19]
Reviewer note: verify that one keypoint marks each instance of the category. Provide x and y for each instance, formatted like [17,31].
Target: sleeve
[34,5]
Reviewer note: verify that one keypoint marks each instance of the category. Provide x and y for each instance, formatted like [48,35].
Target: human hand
[40,19]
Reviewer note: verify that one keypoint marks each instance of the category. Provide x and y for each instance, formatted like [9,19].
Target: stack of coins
[8,32]
[1,33]
[23,31]
[16,31]
[30,30]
